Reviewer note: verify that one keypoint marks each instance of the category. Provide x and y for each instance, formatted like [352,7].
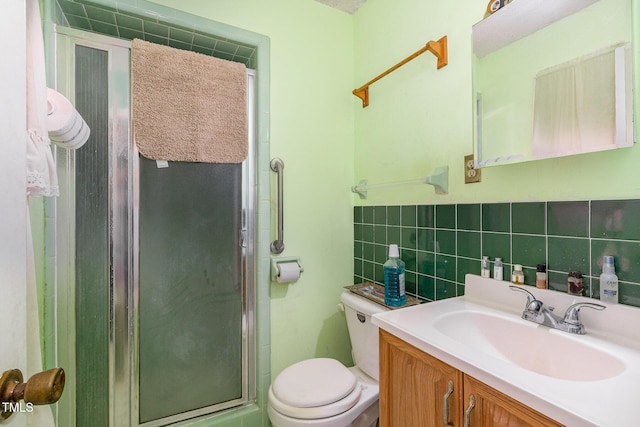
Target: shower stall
[155,280]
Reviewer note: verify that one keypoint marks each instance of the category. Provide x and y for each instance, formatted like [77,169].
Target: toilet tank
[363,333]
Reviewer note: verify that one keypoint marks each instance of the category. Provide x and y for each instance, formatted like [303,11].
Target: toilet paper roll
[288,272]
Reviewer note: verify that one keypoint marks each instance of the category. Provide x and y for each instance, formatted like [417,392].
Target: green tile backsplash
[442,243]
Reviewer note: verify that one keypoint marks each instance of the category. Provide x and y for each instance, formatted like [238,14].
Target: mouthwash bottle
[608,281]
[394,293]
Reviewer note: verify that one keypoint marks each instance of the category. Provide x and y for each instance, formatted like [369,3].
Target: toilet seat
[314,388]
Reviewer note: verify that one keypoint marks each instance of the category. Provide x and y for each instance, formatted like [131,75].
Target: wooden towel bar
[438,48]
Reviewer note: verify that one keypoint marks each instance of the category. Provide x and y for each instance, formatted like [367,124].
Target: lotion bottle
[608,281]
[497,269]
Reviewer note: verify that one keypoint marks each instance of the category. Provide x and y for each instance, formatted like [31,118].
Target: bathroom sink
[530,346]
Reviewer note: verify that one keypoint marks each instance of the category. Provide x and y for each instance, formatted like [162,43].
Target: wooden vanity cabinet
[414,387]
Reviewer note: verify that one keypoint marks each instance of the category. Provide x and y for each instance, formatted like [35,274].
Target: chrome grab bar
[277,246]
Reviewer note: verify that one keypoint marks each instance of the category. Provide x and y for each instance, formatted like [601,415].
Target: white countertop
[614,331]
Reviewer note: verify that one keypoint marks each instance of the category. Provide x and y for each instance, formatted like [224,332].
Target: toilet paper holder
[283,260]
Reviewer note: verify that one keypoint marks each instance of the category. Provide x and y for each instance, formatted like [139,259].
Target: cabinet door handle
[467,412]
[445,405]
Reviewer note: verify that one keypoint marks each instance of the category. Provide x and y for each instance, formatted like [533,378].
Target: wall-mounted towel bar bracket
[277,246]
[439,179]
[438,48]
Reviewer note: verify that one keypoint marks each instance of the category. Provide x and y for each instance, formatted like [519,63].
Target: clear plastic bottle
[517,276]
[484,269]
[608,281]
[394,292]
[497,269]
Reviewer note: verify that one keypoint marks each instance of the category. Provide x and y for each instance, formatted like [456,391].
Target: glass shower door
[190,288]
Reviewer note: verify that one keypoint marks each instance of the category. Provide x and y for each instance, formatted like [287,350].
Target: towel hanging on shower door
[188,106]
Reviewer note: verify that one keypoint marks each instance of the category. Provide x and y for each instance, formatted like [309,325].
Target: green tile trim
[447,242]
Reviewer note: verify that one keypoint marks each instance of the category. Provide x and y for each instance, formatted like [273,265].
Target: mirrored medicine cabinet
[528,102]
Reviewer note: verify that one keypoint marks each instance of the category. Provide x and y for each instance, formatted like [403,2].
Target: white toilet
[323,392]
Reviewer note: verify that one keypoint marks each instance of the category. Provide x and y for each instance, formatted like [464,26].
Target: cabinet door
[415,386]
[493,408]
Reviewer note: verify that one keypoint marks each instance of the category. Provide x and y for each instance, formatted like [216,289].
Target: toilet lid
[314,382]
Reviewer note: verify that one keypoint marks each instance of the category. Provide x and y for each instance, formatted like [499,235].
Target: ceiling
[349,6]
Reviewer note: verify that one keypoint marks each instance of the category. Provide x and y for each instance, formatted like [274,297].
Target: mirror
[505,71]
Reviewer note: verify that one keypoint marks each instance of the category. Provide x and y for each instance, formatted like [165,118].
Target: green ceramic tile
[408,216]
[156,29]
[368,251]
[128,34]
[445,242]
[496,217]
[367,215]
[629,294]
[469,217]
[446,216]
[445,289]
[446,267]
[204,41]
[101,15]
[393,235]
[425,263]
[469,244]
[408,237]
[368,271]
[529,275]
[467,266]
[615,219]
[179,45]
[409,256]
[460,290]
[245,51]
[393,215]
[226,47]
[380,215]
[72,8]
[357,231]
[568,219]
[378,273]
[567,254]
[528,218]
[496,245]
[380,254]
[357,214]
[203,50]
[367,233]
[529,250]
[380,234]
[426,287]
[102,28]
[181,35]
[557,281]
[626,258]
[129,22]
[357,267]
[79,22]
[155,39]
[357,249]
[411,283]
[425,216]
[426,239]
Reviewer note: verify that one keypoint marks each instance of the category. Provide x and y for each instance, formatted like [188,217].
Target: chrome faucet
[536,311]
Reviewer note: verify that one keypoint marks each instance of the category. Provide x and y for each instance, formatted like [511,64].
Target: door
[13,218]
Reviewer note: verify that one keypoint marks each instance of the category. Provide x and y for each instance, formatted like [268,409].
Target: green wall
[311,116]
[420,118]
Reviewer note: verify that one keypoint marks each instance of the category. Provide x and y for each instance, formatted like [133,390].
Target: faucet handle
[572,317]
[530,297]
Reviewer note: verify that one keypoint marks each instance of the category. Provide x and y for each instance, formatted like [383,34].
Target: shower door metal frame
[124,244]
